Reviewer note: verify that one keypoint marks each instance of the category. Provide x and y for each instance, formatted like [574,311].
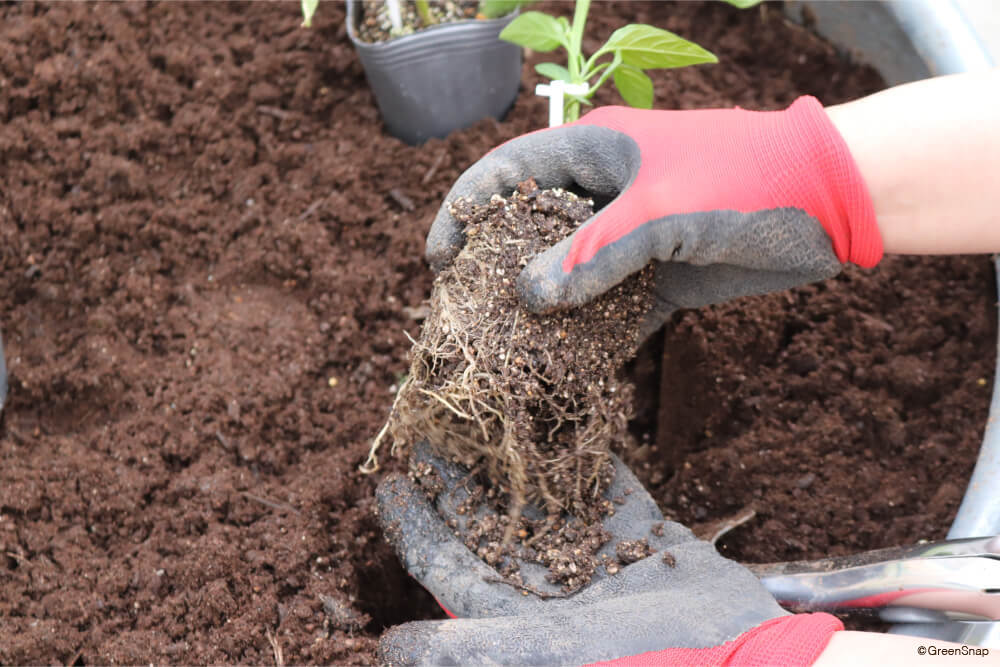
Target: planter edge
[909,40]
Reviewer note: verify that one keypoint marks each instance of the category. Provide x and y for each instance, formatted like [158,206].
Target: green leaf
[534,30]
[636,88]
[646,47]
[743,4]
[553,71]
[308,9]
[494,9]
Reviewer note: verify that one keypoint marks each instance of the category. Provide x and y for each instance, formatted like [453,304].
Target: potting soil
[212,255]
[375,23]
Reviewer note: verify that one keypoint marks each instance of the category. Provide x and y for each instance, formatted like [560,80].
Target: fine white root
[371,463]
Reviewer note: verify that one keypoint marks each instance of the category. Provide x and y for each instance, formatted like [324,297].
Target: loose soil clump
[531,402]
[568,547]
[565,545]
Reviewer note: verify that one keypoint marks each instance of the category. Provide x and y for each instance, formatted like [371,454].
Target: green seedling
[623,58]
[308,9]
[424,11]
[494,9]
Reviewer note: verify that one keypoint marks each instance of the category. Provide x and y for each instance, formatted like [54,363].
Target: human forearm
[929,152]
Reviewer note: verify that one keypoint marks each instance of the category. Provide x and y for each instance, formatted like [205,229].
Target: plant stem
[424,10]
[607,72]
[575,60]
[590,66]
[576,36]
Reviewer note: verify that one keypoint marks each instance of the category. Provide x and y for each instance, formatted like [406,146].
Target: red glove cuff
[829,187]
[786,640]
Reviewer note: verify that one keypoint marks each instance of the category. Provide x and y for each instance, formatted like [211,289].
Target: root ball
[533,402]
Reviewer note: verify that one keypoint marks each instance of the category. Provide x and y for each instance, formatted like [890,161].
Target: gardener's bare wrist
[929,152]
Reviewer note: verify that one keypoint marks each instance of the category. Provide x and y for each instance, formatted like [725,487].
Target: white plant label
[555,92]
[395,16]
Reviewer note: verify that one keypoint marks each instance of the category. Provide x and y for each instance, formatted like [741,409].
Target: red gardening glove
[727,202]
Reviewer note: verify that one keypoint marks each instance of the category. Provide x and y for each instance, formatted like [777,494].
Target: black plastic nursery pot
[442,78]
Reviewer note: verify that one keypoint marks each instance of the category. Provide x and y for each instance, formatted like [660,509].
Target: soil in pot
[211,255]
[375,23]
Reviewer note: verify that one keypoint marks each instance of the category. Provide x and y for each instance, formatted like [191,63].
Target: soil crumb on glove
[531,403]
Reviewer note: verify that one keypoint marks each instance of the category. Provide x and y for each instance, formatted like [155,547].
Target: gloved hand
[728,203]
[691,607]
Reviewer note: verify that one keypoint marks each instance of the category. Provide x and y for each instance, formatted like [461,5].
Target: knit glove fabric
[726,202]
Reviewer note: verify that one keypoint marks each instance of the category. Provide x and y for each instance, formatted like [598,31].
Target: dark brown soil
[566,546]
[847,415]
[210,254]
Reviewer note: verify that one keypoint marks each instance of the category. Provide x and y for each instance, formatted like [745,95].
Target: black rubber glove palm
[692,598]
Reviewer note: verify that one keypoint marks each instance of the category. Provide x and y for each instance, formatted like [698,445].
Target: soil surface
[847,416]
[211,255]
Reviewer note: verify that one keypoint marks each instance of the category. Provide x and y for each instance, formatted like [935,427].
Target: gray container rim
[908,40]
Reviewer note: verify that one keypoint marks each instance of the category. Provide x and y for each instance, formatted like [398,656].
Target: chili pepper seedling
[631,49]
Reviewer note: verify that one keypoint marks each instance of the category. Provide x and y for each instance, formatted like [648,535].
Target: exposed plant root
[371,463]
[532,399]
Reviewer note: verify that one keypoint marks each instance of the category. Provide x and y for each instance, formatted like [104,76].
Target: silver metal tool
[953,580]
